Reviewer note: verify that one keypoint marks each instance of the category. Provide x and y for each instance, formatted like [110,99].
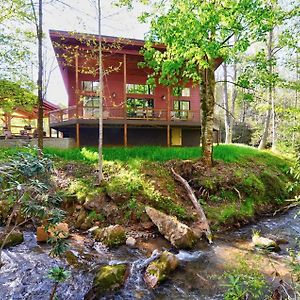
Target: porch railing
[120,113]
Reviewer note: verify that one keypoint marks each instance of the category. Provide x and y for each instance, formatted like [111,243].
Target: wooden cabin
[134,113]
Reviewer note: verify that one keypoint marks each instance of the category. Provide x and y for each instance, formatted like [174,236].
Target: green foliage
[25,182]
[244,282]
[59,244]
[15,40]
[93,216]
[15,94]
[58,274]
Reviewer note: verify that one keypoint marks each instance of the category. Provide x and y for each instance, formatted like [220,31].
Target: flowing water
[24,275]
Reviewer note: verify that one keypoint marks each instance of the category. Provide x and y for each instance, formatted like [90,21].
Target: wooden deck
[117,115]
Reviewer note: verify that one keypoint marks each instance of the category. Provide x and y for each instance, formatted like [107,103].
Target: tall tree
[196,34]
[39,33]
[100,163]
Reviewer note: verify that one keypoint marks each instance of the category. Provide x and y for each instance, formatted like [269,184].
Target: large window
[139,108]
[183,92]
[181,109]
[90,107]
[145,89]
[90,86]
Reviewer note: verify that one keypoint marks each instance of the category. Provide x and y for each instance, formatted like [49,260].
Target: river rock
[265,243]
[108,279]
[158,270]
[15,238]
[111,236]
[180,235]
[131,242]
[61,228]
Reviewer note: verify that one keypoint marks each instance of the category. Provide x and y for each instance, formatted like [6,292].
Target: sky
[81,16]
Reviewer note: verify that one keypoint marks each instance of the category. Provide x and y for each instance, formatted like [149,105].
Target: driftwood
[197,206]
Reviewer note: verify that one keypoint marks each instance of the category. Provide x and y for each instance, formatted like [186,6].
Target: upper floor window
[90,101]
[90,86]
[183,92]
[145,89]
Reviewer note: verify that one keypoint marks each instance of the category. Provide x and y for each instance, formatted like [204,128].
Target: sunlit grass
[226,153]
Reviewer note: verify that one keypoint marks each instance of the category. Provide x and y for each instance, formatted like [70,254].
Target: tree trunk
[264,139]
[207,87]
[227,119]
[233,100]
[100,149]
[40,77]
[273,122]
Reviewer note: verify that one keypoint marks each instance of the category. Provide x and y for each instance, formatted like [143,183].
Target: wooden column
[77,135]
[125,135]
[124,87]
[50,133]
[168,136]
[77,100]
[76,84]
[168,116]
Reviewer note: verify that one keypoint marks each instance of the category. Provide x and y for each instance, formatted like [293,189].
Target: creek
[24,275]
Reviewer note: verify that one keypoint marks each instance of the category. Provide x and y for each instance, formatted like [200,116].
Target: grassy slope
[243,181]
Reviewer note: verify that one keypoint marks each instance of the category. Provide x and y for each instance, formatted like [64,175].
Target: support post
[124,87]
[125,135]
[77,135]
[50,131]
[76,85]
[168,116]
[9,122]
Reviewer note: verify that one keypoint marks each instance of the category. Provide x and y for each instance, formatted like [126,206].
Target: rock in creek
[111,236]
[180,235]
[265,243]
[62,229]
[131,242]
[158,270]
[108,279]
[15,238]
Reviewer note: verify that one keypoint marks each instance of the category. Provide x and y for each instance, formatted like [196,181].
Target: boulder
[111,236]
[180,235]
[108,279]
[15,238]
[62,229]
[158,270]
[131,242]
[265,243]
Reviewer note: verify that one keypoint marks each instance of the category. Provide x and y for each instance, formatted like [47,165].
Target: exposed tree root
[198,207]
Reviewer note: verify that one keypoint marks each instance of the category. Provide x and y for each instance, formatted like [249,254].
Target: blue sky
[81,15]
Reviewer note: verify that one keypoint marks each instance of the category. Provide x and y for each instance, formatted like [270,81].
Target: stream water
[24,275]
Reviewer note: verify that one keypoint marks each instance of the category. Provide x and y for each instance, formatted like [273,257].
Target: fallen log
[197,206]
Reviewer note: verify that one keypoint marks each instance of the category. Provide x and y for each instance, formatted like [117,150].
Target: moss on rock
[158,270]
[108,279]
[111,236]
[14,238]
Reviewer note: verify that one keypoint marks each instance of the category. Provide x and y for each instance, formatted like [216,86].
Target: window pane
[95,86]
[180,91]
[139,89]
[186,92]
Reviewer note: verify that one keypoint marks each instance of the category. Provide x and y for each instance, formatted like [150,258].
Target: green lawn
[226,153]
